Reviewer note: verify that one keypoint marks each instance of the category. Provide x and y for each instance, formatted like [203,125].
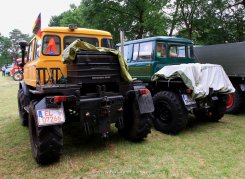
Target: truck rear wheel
[136,126]
[235,101]
[170,113]
[215,113]
[46,142]
[21,104]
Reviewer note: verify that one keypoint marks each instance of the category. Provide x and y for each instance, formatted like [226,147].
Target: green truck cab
[146,56]
[173,98]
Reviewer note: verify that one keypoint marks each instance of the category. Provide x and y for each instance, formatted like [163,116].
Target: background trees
[138,18]
[208,21]
[9,48]
[5,57]
[203,21]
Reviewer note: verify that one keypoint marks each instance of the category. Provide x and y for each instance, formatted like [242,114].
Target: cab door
[141,64]
[160,55]
[32,58]
[179,53]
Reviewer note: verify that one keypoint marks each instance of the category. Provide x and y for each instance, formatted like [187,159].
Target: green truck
[180,85]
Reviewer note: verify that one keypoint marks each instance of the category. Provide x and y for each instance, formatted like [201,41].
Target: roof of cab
[159,38]
[76,31]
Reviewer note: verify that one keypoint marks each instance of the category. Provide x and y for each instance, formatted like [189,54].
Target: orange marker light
[58,99]
[143,91]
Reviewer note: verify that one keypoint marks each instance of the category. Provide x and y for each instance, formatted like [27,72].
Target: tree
[173,16]
[72,16]
[138,18]
[5,44]
[14,38]
[9,47]
[208,21]
[184,15]
[223,22]
[203,21]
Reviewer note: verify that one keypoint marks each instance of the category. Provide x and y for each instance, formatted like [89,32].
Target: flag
[36,28]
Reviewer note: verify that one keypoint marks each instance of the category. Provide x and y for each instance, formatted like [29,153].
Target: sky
[21,14]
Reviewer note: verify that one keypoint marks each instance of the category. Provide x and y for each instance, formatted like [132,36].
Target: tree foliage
[72,16]
[204,21]
[138,18]
[209,21]
[9,47]
[5,44]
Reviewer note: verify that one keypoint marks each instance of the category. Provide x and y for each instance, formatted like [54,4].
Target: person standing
[3,70]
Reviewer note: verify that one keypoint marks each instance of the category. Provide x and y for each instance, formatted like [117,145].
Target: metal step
[26,108]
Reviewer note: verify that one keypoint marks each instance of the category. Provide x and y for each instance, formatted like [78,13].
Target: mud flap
[145,101]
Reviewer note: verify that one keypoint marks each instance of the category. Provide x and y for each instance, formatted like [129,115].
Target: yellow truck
[90,90]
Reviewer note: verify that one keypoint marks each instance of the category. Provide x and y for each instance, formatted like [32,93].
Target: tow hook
[105,107]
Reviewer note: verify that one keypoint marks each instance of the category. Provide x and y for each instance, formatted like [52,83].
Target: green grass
[203,150]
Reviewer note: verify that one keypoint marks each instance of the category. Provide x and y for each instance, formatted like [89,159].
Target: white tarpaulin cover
[198,77]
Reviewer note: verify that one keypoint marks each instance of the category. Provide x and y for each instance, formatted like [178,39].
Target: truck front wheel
[170,113]
[136,126]
[46,142]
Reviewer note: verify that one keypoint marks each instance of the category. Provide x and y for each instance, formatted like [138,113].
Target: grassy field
[203,150]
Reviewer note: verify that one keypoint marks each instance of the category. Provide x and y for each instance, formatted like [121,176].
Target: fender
[27,98]
[25,88]
[144,101]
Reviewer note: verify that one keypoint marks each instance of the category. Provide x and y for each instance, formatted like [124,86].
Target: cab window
[145,51]
[51,45]
[30,50]
[37,48]
[69,39]
[127,52]
[177,51]
[107,43]
[135,52]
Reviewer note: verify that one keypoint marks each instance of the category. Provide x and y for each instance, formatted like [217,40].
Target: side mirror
[23,45]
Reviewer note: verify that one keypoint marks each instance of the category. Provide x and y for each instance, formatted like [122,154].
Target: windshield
[107,43]
[51,45]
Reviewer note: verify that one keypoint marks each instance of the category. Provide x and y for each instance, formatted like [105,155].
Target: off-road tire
[136,126]
[22,102]
[236,103]
[46,142]
[18,76]
[170,115]
[215,113]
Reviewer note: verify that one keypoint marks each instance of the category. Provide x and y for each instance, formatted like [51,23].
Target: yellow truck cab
[44,55]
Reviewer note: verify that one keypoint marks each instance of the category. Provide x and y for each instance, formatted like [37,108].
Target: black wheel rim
[163,113]
[18,76]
